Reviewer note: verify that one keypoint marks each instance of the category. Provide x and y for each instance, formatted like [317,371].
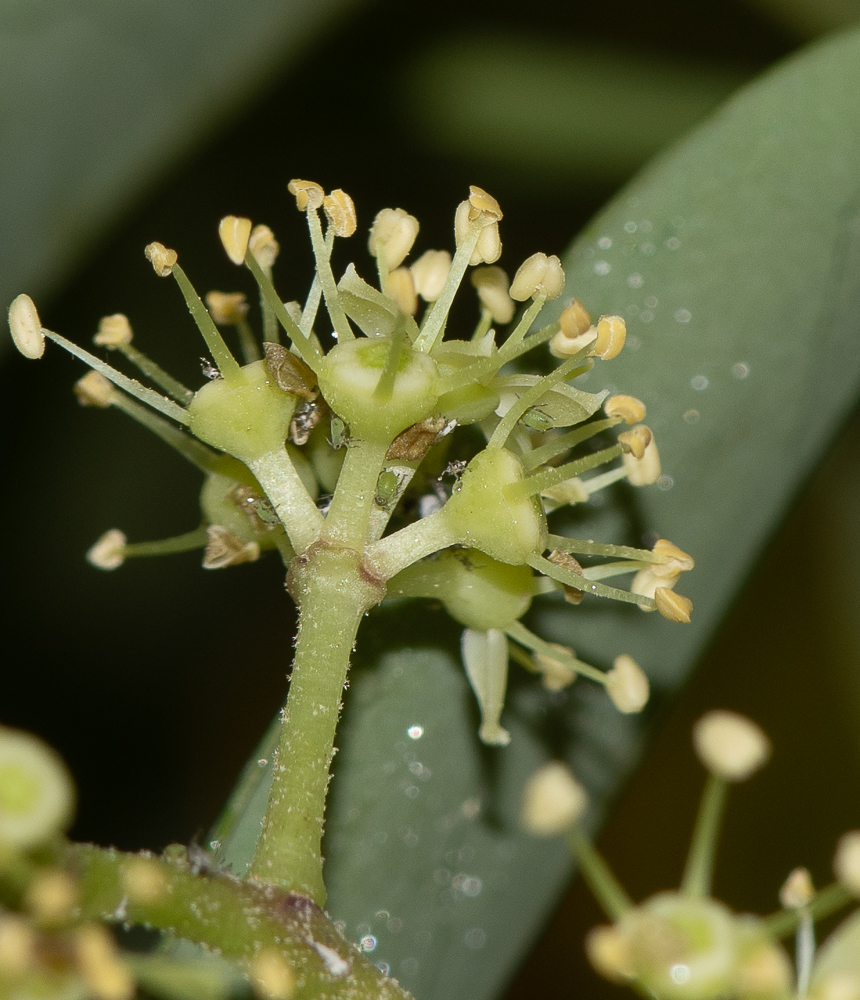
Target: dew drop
[602,267]
[635,280]
[665,483]
[673,243]
[691,416]
[262,762]
[368,943]
[680,973]
[415,732]
[683,315]
[652,302]
[630,227]
[741,369]
[604,242]
[699,382]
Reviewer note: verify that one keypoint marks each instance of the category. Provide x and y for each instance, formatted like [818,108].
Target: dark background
[155,682]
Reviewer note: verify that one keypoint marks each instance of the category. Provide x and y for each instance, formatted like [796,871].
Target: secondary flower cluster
[337,429]
[684,944]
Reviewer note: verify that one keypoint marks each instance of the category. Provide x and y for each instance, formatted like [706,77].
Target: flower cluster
[337,430]
[684,944]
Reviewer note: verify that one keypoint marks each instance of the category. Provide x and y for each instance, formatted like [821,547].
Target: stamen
[561,575]
[322,253]
[564,442]
[231,309]
[115,334]
[220,352]
[541,481]
[308,352]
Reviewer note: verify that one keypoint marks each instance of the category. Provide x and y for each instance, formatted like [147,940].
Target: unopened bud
[731,746]
[492,285]
[553,800]
[611,334]
[306,193]
[114,331]
[109,550]
[223,548]
[400,288]
[430,272]
[94,389]
[538,275]
[100,965]
[340,212]
[627,685]
[846,862]
[161,258]
[645,470]
[227,308]
[636,440]
[26,327]
[393,232]
[674,607]
[263,246]
[797,890]
[629,408]
[235,232]
[271,976]
[608,950]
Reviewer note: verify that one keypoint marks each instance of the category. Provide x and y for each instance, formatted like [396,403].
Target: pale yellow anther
[676,560]
[17,946]
[630,409]
[51,896]
[227,308]
[611,334]
[538,275]
[730,745]
[114,331]
[556,674]
[673,607]
[608,950]
[570,491]
[93,389]
[636,440]
[488,249]
[646,582]
[846,862]
[271,976]
[400,288]
[235,232]
[642,471]
[563,346]
[553,800]
[144,880]
[161,258]
[100,966]
[26,327]
[430,272]
[263,246]
[307,193]
[492,284]
[109,550]
[223,548]
[482,203]
[393,232]
[574,319]
[340,212]
[797,891]
[627,685]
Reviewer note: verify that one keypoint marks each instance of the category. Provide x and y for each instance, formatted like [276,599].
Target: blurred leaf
[810,19]
[567,113]
[100,99]
[736,261]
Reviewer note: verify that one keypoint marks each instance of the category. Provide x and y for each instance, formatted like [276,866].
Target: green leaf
[736,262]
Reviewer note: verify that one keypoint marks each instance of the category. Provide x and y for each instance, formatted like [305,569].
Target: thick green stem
[289,496]
[332,592]
[348,518]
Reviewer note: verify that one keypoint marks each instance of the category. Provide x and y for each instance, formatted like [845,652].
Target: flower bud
[26,327]
[627,685]
[306,193]
[846,863]
[629,408]
[227,308]
[161,258]
[114,331]
[430,272]
[36,793]
[263,246]
[235,233]
[674,607]
[611,334]
[94,389]
[400,288]
[539,275]
[553,800]
[109,550]
[797,890]
[340,212]
[492,285]
[393,232]
[730,746]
